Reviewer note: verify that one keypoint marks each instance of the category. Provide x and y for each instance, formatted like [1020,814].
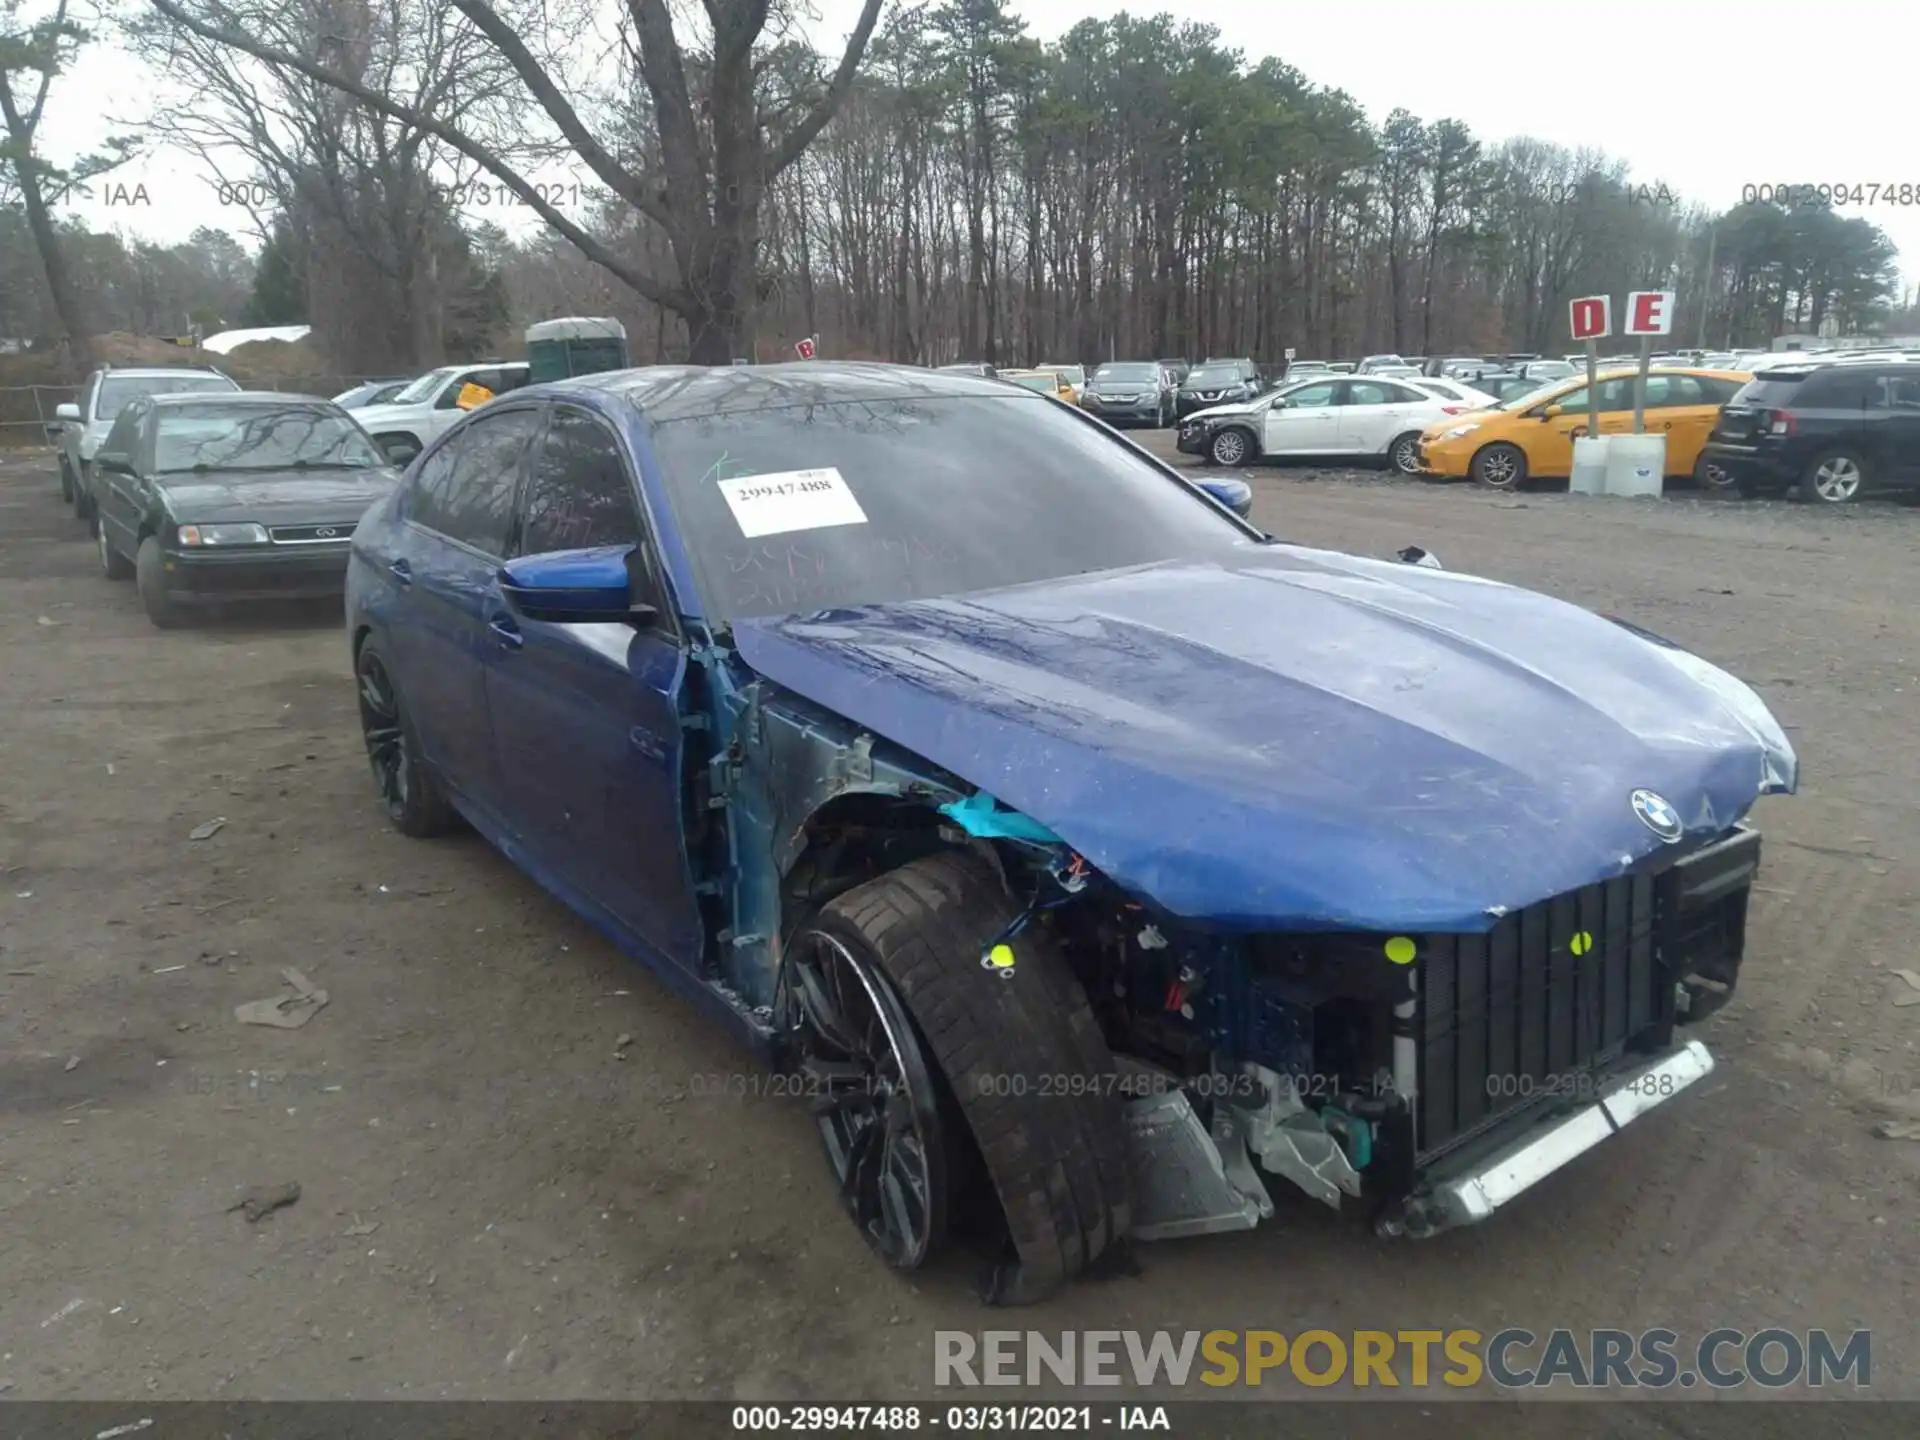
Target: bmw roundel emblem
[1657,815]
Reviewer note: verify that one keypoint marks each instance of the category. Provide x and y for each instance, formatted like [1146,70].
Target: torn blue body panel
[1302,740]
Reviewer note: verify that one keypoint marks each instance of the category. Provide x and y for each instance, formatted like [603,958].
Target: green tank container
[576,345]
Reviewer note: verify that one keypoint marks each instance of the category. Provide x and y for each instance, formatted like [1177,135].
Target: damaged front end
[1427,1079]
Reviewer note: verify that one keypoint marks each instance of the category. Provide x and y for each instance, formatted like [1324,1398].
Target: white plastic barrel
[1636,464]
[1589,475]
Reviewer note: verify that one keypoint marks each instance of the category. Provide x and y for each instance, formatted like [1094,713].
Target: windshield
[1535,396]
[117,391]
[1215,375]
[818,507]
[423,388]
[1126,374]
[258,437]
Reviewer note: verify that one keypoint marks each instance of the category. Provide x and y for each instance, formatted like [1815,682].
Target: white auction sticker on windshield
[791,500]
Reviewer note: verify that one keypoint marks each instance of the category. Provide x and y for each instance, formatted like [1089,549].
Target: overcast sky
[1698,94]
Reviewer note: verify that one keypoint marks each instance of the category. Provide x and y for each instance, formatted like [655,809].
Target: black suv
[1218,382]
[1829,432]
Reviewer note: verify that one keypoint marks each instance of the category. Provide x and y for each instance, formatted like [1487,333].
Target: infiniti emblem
[1657,815]
[326,532]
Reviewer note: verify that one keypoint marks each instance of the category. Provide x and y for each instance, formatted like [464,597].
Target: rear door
[458,515]
[1895,411]
[1373,412]
[1684,409]
[586,717]
[1304,421]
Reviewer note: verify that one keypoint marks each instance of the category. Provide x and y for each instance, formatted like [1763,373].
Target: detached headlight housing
[1457,431]
[223,537]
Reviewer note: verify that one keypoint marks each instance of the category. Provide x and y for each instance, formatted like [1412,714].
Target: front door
[459,514]
[586,717]
[121,498]
[1550,451]
[1304,421]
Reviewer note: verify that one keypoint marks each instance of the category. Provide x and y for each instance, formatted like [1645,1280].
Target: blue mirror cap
[1236,495]
[603,567]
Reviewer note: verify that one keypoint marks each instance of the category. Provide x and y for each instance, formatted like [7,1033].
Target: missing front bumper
[1446,1201]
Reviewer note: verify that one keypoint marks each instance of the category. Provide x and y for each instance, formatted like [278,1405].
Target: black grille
[310,534]
[1516,1017]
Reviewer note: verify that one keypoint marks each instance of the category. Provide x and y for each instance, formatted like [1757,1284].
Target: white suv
[415,418]
[108,390]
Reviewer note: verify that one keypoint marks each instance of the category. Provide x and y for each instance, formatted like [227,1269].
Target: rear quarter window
[1774,392]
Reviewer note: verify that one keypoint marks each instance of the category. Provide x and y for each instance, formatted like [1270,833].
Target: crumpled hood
[1221,412]
[1300,739]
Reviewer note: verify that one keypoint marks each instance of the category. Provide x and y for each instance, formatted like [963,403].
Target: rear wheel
[1232,446]
[1501,467]
[82,502]
[66,480]
[986,1040]
[150,574]
[1404,453]
[1834,477]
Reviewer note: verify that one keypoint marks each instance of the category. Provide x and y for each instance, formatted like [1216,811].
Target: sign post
[1649,313]
[1590,319]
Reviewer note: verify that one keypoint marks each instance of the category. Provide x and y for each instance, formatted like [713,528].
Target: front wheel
[935,1070]
[1835,477]
[414,802]
[82,502]
[1404,453]
[66,481]
[150,575]
[1230,447]
[1501,467]
[112,563]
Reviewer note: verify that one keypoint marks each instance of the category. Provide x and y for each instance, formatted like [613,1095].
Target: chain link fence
[27,418]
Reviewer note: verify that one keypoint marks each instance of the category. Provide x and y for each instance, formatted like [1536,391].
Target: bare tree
[717,148]
[33,51]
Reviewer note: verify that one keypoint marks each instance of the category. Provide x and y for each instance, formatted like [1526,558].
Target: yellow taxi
[1530,437]
[1074,377]
[1047,382]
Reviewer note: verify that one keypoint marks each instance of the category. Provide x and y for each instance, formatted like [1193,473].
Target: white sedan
[1456,392]
[1337,415]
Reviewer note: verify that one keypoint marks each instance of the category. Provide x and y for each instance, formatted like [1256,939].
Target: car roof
[149,372]
[237,397]
[678,392]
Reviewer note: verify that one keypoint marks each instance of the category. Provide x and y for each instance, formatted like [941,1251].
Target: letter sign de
[1591,317]
[1650,312]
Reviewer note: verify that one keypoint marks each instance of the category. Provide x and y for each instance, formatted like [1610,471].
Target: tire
[82,501]
[150,575]
[1058,1162]
[1404,453]
[1500,466]
[1712,478]
[1833,477]
[66,480]
[414,801]
[113,564]
[1231,446]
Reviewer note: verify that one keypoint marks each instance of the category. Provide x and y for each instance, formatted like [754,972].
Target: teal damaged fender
[984,818]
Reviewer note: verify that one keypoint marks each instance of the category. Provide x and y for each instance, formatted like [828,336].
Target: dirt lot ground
[497,1201]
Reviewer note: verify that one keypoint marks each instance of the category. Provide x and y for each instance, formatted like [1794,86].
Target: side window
[1571,401]
[123,438]
[450,393]
[577,494]
[465,490]
[1899,392]
[1313,397]
[1405,395]
[1367,392]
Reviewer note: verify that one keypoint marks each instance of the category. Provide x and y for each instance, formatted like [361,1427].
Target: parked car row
[1330,416]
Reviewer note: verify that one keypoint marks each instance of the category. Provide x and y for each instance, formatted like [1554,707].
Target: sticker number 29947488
[791,500]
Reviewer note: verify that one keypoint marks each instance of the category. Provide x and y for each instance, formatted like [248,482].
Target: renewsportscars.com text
[1512,1358]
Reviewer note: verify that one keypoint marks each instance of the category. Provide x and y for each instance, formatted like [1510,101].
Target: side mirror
[1236,495]
[1553,412]
[575,587]
[1414,555]
[69,411]
[114,461]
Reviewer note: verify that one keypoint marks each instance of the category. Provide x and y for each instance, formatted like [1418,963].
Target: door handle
[401,571]
[506,631]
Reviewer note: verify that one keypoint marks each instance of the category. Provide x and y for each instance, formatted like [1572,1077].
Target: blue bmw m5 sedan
[1090,859]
